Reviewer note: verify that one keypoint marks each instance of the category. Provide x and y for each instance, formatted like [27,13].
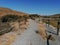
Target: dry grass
[7,38]
[42,30]
[52,22]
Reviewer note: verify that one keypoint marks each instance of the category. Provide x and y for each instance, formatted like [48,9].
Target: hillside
[55,15]
[6,11]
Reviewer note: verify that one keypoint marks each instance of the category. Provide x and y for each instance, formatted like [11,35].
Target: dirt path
[30,37]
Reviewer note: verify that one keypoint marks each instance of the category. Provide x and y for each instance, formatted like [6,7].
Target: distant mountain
[6,11]
[55,15]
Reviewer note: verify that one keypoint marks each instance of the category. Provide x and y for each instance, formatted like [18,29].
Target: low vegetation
[7,19]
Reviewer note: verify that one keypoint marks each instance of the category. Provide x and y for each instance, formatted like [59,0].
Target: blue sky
[43,7]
